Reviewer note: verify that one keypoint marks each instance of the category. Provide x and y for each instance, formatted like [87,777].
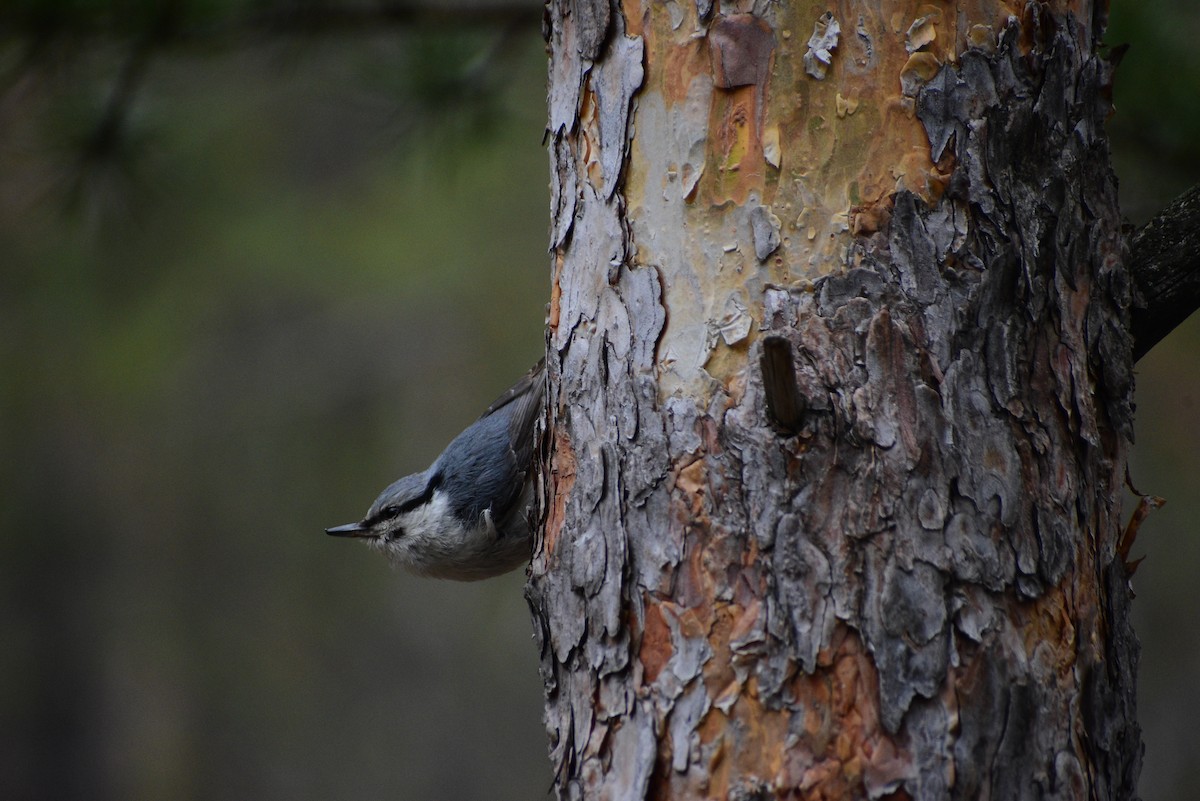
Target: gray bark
[909,585]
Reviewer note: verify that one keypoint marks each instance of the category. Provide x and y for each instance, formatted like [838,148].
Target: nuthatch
[467,517]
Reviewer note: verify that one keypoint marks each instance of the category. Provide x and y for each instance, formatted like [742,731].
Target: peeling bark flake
[741,46]
[821,44]
[765,227]
[615,81]
[594,17]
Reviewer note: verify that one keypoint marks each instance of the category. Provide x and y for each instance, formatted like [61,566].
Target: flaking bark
[911,588]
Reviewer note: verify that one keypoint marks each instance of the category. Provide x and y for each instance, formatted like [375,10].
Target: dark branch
[168,29]
[1164,261]
[332,19]
[283,20]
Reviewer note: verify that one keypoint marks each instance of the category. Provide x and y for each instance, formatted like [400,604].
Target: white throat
[433,542]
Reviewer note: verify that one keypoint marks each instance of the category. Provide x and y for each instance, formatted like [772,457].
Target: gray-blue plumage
[467,516]
[472,475]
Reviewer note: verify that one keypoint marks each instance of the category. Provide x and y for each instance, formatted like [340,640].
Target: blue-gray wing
[522,404]
[485,466]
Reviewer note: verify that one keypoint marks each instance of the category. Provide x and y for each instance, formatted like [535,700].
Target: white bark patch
[686,715]
[677,14]
[735,325]
[821,44]
[633,751]
[771,150]
[566,73]
[615,81]
[764,226]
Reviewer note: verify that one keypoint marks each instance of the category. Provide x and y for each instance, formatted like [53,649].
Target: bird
[468,515]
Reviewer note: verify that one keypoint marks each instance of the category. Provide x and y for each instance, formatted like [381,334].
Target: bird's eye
[389,512]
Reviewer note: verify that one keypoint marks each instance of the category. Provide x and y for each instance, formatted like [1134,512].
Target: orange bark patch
[589,136]
[1146,505]
[742,55]
[838,748]
[869,218]
[718,671]
[556,294]
[634,17]
[562,479]
[684,63]
[693,622]
[842,744]
[1048,628]
[762,735]
[736,162]
[656,648]
[750,743]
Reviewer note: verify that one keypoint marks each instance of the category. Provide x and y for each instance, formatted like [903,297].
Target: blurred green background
[297,258]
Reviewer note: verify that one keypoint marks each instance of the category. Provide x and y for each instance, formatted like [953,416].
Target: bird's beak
[349,530]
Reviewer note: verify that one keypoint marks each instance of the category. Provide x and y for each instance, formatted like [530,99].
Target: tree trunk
[891,569]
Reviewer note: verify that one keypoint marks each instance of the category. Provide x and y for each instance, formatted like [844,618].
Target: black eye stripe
[392,511]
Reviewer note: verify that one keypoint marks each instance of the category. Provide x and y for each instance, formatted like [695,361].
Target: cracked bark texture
[914,591]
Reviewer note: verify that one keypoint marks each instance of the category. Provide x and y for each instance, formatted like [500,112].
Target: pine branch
[1165,266]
